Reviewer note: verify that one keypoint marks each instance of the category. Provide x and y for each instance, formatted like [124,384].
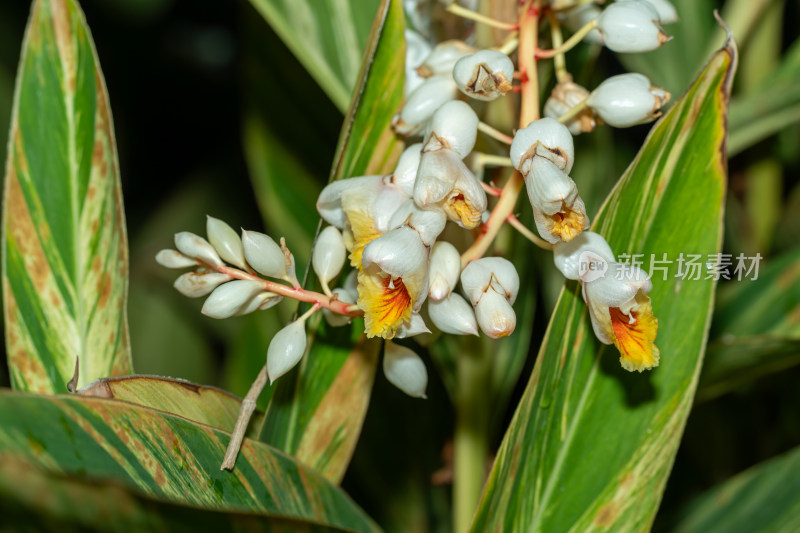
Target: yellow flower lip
[634,336]
[386,303]
[393,281]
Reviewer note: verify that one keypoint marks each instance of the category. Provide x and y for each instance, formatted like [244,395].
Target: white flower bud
[429,223]
[225,241]
[174,259]
[405,173]
[197,284]
[495,315]
[259,302]
[667,14]
[329,254]
[631,26]
[286,349]
[264,254]
[197,247]
[444,270]
[490,273]
[569,256]
[417,49]
[422,103]
[454,125]
[565,96]
[335,319]
[548,187]
[443,58]
[484,75]
[230,298]
[415,326]
[546,138]
[405,370]
[453,315]
[627,99]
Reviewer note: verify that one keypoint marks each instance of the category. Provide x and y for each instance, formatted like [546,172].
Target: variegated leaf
[200,403]
[65,257]
[165,457]
[591,446]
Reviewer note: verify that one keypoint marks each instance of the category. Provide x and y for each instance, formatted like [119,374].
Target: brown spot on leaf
[627,480]
[159,477]
[20,225]
[105,291]
[606,515]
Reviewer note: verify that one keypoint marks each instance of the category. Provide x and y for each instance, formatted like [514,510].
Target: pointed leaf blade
[326,36]
[591,446]
[166,457]
[65,257]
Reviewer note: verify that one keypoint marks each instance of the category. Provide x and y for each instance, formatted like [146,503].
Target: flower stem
[298,293]
[560,61]
[573,111]
[528,37]
[245,413]
[494,134]
[470,443]
[570,43]
[528,234]
[463,12]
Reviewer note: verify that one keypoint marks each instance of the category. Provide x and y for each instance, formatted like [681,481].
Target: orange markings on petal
[635,335]
[386,304]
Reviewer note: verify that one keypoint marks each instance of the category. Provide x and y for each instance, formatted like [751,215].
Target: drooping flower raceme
[617,297]
[394,226]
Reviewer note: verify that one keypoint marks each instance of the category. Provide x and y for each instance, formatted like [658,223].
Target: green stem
[470,446]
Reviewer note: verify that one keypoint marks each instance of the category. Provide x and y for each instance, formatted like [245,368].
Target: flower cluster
[395,229]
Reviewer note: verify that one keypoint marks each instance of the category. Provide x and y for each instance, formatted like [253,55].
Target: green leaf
[327,36]
[768,107]
[756,327]
[80,504]
[760,499]
[65,257]
[591,446]
[316,412]
[199,403]
[166,457]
